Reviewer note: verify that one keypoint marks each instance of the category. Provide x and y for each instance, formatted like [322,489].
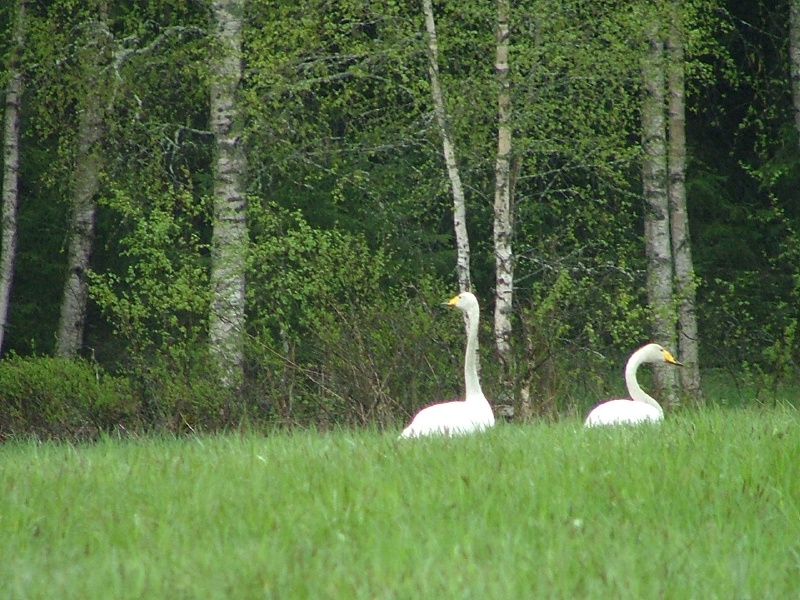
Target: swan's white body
[641,407]
[462,416]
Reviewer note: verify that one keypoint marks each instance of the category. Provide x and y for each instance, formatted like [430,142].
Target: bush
[363,362]
[185,397]
[58,398]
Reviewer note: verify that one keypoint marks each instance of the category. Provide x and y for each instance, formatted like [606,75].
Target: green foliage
[757,340]
[350,203]
[297,271]
[64,399]
[332,341]
[159,301]
[745,224]
[184,394]
[53,398]
[577,238]
[574,329]
[576,191]
[388,359]
[337,106]
[41,262]
[153,98]
[156,302]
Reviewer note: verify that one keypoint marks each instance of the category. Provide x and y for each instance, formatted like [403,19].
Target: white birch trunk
[503,226]
[656,220]
[685,284]
[11,170]
[86,184]
[459,204]
[230,236]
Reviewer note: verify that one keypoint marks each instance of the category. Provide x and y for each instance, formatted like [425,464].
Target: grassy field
[705,506]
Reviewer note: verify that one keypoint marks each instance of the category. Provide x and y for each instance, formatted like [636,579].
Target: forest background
[250,210]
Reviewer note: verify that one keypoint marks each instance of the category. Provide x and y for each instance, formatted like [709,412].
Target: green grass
[705,506]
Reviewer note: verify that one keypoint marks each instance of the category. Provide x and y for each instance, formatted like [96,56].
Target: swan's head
[655,353]
[464,301]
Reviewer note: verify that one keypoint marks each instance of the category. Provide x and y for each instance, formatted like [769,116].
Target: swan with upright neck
[641,407]
[474,413]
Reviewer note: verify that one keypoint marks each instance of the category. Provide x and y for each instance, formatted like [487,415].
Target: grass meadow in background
[706,505]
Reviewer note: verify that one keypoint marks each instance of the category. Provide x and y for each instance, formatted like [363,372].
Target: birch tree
[92,57]
[656,218]
[11,168]
[229,243]
[448,148]
[685,284]
[503,227]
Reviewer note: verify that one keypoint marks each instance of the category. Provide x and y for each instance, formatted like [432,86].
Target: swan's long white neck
[634,389]
[472,383]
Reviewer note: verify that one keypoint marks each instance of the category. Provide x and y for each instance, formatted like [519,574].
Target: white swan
[462,416]
[641,407]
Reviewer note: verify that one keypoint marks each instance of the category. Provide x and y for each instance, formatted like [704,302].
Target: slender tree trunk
[503,226]
[459,204]
[685,284]
[11,169]
[229,244]
[794,53]
[86,183]
[656,220]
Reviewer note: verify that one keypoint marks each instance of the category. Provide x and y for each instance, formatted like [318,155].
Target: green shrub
[185,397]
[364,361]
[58,398]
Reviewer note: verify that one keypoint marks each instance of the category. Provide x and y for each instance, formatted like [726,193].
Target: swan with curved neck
[641,407]
[474,413]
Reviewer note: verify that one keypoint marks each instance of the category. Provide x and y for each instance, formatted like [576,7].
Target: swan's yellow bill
[670,359]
